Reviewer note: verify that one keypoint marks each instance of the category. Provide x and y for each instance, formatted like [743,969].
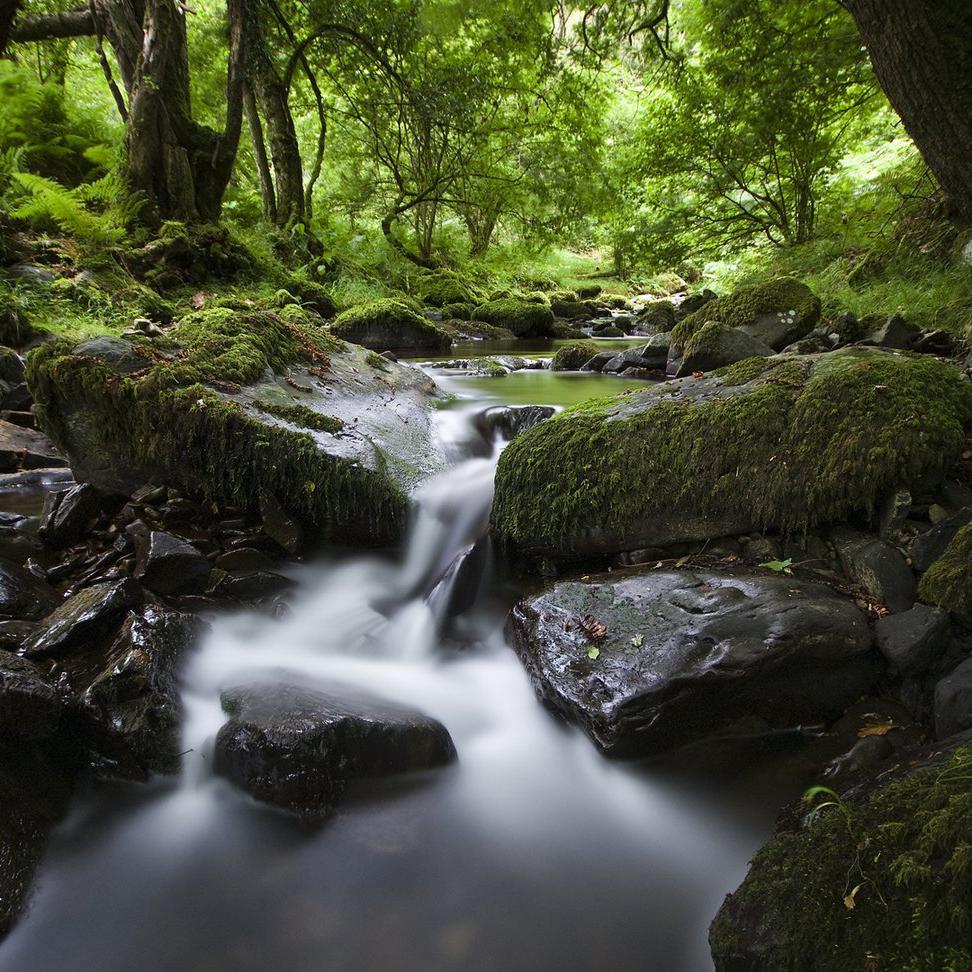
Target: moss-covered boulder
[879,882]
[523,318]
[784,442]
[439,289]
[572,357]
[777,313]
[241,404]
[948,582]
[458,312]
[715,345]
[387,324]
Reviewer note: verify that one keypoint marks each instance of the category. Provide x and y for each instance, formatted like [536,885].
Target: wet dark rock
[256,585]
[865,758]
[913,640]
[280,526]
[928,547]
[244,558]
[137,692]
[30,707]
[953,701]
[118,354]
[69,515]
[694,302]
[508,421]
[82,619]
[894,514]
[168,565]
[297,747]
[22,448]
[657,317]
[26,420]
[22,595]
[14,633]
[937,342]
[894,332]
[599,360]
[686,654]
[28,479]
[878,567]
[651,356]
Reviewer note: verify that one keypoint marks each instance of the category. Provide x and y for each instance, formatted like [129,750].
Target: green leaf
[780,566]
[593,652]
[637,641]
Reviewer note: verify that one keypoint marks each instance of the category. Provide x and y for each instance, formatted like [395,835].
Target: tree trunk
[8,13]
[922,54]
[181,167]
[271,96]
[260,156]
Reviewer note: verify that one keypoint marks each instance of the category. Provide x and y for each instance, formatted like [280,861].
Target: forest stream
[531,852]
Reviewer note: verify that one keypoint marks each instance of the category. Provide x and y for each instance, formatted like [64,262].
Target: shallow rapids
[532,852]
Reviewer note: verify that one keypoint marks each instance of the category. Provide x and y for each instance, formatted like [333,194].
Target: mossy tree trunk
[181,167]
[271,97]
[922,54]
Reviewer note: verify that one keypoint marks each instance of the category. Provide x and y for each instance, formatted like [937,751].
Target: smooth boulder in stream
[653,660]
[297,747]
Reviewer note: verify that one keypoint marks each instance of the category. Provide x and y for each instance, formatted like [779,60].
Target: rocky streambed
[763,565]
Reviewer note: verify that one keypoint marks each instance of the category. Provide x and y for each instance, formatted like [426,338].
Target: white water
[533,852]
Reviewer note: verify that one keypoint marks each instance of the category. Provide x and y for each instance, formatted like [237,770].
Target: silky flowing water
[532,852]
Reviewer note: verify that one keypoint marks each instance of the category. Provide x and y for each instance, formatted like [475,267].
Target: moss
[780,453]
[948,582]
[610,331]
[903,853]
[312,295]
[521,317]
[388,323]
[566,296]
[587,292]
[743,372]
[743,306]
[377,361]
[571,357]
[537,297]
[444,287]
[458,312]
[567,332]
[301,415]
[221,345]
[150,423]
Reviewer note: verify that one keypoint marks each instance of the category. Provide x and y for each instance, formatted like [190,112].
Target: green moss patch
[523,318]
[388,323]
[882,884]
[948,582]
[444,287]
[743,306]
[301,415]
[824,438]
[571,357]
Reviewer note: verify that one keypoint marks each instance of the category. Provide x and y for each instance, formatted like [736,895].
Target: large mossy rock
[297,747]
[659,659]
[523,317]
[387,324]
[778,442]
[948,582]
[881,881]
[241,404]
[777,313]
[442,288]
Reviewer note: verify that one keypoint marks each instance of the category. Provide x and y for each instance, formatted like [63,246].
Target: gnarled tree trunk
[922,54]
[181,167]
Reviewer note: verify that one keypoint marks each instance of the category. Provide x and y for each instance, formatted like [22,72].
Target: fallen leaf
[595,629]
[593,652]
[875,729]
[198,300]
[849,903]
[637,641]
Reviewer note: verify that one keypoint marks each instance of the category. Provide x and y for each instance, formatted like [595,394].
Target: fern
[48,203]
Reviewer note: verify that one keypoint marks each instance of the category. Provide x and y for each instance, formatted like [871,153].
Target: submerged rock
[297,747]
[787,443]
[254,401]
[659,659]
